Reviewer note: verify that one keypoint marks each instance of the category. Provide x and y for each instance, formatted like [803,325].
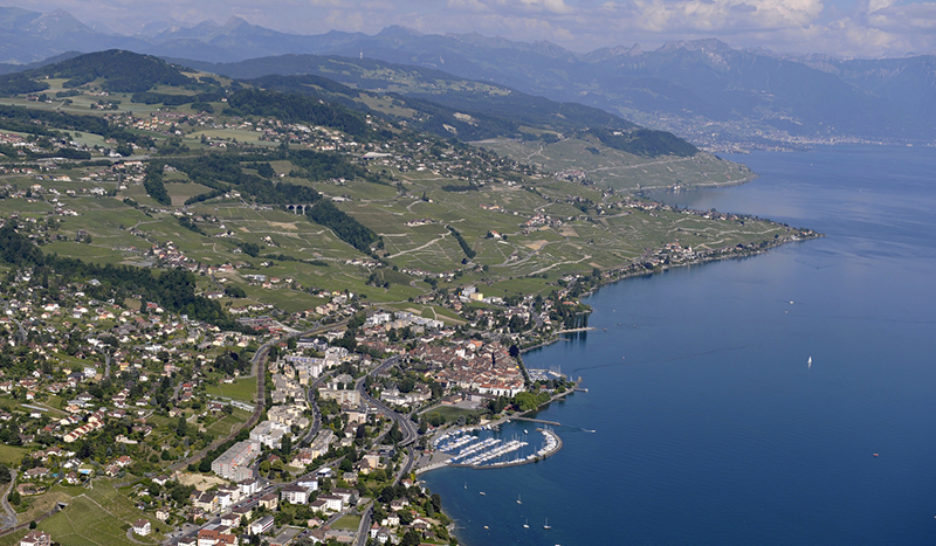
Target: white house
[333,503]
[142,527]
[295,494]
[260,526]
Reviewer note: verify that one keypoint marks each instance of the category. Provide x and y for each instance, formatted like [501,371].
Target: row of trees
[463,243]
[345,227]
[153,183]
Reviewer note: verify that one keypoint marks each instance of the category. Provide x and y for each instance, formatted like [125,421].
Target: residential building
[260,526]
[295,494]
[269,433]
[142,527]
[234,464]
[36,538]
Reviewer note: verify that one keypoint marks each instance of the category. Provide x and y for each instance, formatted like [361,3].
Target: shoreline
[698,185]
[630,272]
[506,419]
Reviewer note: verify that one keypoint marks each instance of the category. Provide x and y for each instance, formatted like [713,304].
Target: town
[225,322]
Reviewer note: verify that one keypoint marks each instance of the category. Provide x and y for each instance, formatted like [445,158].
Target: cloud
[513,6]
[552,6]
[722,15]
[471,5]
[899,18]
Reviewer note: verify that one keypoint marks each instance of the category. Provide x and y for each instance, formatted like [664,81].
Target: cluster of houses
[472,365]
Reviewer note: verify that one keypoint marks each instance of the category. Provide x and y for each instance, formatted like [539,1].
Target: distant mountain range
[703,90]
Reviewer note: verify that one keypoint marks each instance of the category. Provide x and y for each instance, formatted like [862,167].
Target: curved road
[9,518]
[407,426]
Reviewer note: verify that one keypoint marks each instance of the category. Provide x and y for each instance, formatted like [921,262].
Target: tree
[181,427]
[395,435]
[411,538]
[346,465]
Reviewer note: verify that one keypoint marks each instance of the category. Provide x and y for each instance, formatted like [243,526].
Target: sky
[843,28]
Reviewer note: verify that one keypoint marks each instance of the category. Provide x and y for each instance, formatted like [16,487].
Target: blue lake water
[710,426]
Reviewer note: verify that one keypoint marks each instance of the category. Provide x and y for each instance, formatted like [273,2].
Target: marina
[481,448]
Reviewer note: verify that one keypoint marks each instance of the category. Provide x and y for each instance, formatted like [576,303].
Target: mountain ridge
[703,90]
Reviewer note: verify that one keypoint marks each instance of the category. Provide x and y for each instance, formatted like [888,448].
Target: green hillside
[323,195]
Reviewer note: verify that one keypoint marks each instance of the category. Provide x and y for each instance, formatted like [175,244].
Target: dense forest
[153,183]
[645,142]
[17,118]
[15,84]
[345,227]
[175,99]
[292,108]
[223,172]
[118,71]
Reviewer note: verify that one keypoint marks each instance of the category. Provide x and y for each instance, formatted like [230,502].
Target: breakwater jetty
[551,445]
[532,420]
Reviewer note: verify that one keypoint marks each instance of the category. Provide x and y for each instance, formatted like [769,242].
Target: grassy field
[11,455]
[97,516]
[244,389]
[228,423]
[450,413]
[349,522]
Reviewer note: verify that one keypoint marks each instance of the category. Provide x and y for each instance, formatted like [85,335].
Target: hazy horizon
[840,28]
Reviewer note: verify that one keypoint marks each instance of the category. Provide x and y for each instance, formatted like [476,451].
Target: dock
[553,445]
[532,420]
[576,330]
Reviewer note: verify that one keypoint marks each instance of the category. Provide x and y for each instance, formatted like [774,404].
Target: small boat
[525,431]
[466,485]
[482,493]
[526,523]
[486,527]
[519,500]
[875,455]
[546,525]
[809,362]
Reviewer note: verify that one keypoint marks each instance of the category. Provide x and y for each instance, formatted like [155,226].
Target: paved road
[9,517]
[407,426]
